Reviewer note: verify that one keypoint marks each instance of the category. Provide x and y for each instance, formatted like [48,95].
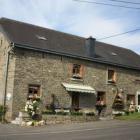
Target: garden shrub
[32,107]
[62,113]
[2,111]
[76,113]
[90,114]
[48,112]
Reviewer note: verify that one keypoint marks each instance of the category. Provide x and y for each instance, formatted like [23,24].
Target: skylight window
[41,37]
[114,54]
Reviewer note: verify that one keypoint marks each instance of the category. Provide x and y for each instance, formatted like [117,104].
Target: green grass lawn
[131,116]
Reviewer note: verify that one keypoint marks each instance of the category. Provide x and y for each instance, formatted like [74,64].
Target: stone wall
[50,71]
[61,119]
[3,55]
[5,47]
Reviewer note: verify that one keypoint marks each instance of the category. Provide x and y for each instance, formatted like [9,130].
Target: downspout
[6,78]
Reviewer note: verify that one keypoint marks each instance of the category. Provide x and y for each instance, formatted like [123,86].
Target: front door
[101,96]
[75,101]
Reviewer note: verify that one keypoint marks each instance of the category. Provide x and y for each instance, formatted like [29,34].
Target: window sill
[111,83]
[34,97]
[74,79]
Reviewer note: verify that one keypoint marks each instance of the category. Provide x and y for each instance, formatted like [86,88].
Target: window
[77,71]
[33,91]
[111,76]
[113,53]
[131,98]
[41,37]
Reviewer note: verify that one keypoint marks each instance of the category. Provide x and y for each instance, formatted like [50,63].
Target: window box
[33,92]
[76,76]
[77,71]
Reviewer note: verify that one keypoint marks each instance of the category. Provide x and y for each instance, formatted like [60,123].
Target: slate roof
[44,39]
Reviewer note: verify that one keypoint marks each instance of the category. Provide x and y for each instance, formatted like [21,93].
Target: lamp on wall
[121,90]
[114,90]
[9,96]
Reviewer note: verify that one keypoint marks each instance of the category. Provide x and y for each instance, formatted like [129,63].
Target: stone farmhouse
[77,71]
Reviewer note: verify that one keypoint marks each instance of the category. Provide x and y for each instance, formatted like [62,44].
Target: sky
[80,18]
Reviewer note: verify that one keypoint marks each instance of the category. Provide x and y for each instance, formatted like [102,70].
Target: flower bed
[32,107]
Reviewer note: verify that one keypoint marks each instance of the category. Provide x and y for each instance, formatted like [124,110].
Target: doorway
[75,101]
[101,96]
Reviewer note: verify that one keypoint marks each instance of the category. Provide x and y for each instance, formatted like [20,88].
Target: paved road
[103,130]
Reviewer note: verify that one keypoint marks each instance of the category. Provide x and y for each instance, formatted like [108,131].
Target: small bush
[2,111]
[127,112]
[119,114]
[76,113]
[136,110]
[62,113]
[90,114]
[48,112]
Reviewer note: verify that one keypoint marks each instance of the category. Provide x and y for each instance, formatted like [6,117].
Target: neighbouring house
[72,71]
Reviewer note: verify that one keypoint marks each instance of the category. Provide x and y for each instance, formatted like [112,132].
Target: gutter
[75,56]
[6,77]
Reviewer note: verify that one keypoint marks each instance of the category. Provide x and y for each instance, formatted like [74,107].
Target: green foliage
[49,112]
[62,113]
[76,113]
[126,112]
[2,111]
[118,114]
[90,114]
[32,107]
[130,117]
[136,110]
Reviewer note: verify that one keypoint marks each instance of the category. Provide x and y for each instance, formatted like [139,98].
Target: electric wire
[116,35]
[106,4]
[127,2]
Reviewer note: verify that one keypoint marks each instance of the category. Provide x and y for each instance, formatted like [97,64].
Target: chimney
[90,46]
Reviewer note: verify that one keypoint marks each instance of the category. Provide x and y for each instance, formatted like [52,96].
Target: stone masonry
[50,71]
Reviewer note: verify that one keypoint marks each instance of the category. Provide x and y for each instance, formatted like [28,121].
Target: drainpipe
[6,78]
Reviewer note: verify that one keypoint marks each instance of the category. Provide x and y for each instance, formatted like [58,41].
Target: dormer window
[41,37]
[113,53]
[111,76]
[77,71]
